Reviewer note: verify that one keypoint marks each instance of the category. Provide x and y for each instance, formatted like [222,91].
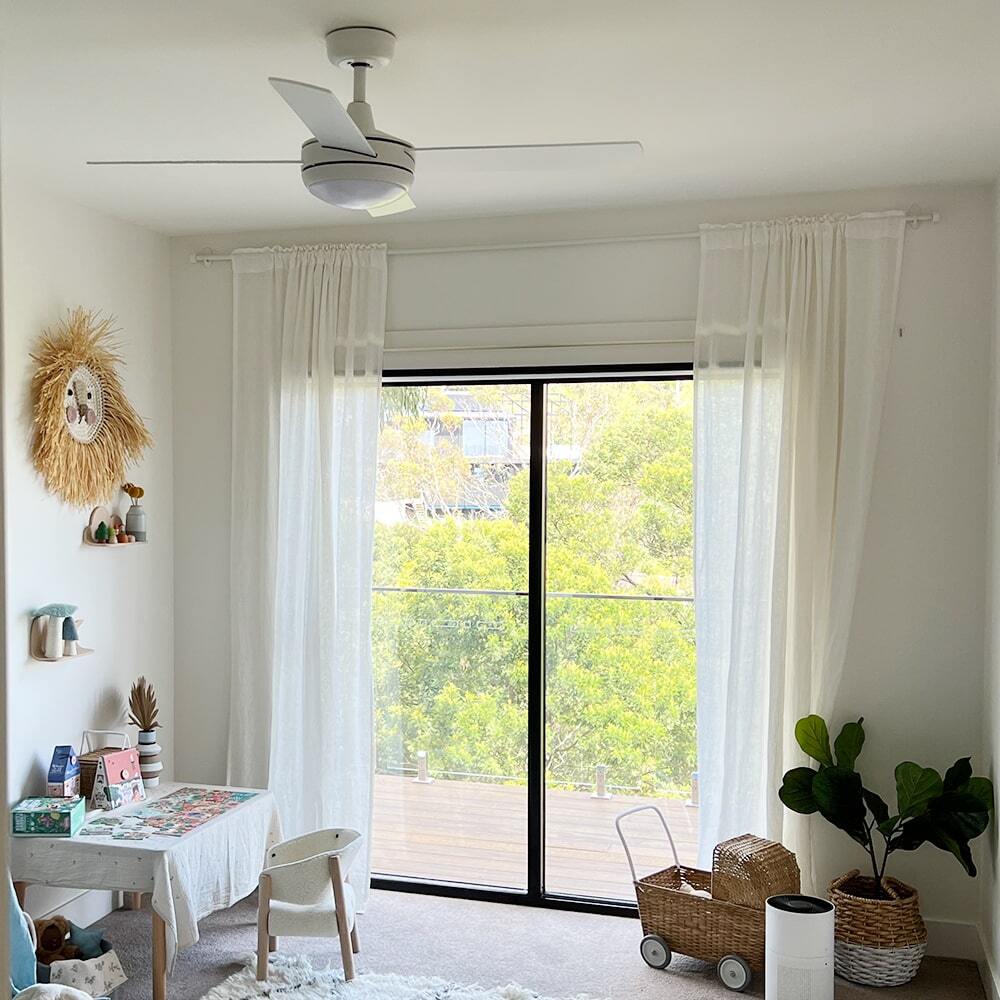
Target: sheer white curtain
[794,331]
[309,326]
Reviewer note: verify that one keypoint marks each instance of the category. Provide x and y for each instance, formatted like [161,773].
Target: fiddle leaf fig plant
[948,812]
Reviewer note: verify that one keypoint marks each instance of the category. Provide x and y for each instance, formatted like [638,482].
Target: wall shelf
[105,514]
[81,651]
[36,643]
[108,545]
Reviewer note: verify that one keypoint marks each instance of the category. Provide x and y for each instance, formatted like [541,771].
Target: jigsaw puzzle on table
[173,815]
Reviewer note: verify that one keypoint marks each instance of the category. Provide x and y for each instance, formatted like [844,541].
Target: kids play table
[202,850]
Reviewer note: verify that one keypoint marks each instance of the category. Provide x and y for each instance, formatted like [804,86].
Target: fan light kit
[348,162]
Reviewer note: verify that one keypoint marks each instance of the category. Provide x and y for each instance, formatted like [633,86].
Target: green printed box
[47,817]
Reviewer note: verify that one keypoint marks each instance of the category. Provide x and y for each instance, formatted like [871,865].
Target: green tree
[451,668]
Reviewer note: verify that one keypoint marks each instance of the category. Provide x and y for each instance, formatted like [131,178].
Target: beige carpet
[552,952]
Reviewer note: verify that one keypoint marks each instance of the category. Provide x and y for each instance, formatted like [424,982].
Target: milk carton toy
[64,774]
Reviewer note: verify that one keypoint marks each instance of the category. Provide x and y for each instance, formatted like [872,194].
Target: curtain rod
[211,258]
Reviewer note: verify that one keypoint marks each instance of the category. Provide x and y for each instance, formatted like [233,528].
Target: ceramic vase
[53,638]
[135,522]
[150,764]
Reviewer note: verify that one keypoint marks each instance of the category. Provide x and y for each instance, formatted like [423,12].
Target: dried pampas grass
[83,472]
[142,706]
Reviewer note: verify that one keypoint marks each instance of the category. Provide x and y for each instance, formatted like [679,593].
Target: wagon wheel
[655,951]
[734,973]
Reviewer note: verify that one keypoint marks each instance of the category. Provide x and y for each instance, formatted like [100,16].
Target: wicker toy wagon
[715,916]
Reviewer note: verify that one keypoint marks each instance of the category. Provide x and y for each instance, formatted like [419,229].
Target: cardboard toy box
[118,781]
[64,774]
[47,817]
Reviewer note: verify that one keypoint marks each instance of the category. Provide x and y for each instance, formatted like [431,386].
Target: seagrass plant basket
[878,942]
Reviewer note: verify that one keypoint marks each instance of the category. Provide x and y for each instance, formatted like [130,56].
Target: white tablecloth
[210,868]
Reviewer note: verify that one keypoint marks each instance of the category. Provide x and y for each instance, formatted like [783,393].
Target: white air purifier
[798,948]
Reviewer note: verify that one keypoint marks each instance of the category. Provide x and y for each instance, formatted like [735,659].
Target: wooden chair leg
[133,900]
[355,947]
[20,890]
[263,938]
[343,920]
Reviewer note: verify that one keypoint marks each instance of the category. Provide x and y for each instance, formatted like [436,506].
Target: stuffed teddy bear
[52,935]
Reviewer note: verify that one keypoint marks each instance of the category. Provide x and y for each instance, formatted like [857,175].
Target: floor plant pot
[878,941]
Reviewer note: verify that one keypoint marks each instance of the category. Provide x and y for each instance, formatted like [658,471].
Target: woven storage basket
[878,942]
[748,869]
[88,769]
[88,761]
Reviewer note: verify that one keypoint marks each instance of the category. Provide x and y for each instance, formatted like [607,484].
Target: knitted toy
[53,941]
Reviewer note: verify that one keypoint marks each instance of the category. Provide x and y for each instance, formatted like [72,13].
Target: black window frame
[538,378]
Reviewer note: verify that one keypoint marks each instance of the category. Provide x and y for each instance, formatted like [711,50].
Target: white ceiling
[729,99]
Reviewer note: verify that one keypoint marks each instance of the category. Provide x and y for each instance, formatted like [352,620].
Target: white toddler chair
[305,892]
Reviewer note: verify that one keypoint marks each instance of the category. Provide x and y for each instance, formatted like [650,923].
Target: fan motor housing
[354,180]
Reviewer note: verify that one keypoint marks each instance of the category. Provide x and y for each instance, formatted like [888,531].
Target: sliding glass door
[619,629]
[450,634]
[533,630]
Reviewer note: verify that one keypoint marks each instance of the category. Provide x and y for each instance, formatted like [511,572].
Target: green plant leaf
[958,775]
[961,814]
[916,786]
[947,841]
[931,829]
[911,834]
[814,738]
[796,790]
[949,823]
[961,850]
[838,795]
[876,805]
[982,789]
[887,825]
[849,743]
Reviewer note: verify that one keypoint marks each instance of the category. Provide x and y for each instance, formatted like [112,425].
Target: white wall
[989,907]
[57,255]
[915,661]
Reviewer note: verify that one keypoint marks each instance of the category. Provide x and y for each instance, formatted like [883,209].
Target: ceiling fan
[350,163]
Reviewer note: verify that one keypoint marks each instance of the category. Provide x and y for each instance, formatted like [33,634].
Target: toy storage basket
[88,760]
[748,869]
[877,942]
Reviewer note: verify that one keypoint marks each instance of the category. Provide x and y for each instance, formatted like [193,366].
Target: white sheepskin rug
[293,977]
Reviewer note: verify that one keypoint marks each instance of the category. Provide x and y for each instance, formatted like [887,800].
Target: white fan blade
[174,163]
[401,204]
[322,114]
[549,156]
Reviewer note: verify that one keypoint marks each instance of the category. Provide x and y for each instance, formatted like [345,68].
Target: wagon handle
[621,836]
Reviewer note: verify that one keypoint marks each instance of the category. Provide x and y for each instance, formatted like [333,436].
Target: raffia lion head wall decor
[85,429]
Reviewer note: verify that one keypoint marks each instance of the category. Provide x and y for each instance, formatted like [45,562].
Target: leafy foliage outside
[451,669]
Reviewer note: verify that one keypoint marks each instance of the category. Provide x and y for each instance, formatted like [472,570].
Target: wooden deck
[463,831]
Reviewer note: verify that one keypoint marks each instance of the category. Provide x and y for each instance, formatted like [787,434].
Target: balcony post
[693,799]
[423,774]
[601,782]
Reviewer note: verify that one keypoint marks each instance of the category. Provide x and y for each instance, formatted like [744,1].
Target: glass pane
[450,634]
[620,668]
